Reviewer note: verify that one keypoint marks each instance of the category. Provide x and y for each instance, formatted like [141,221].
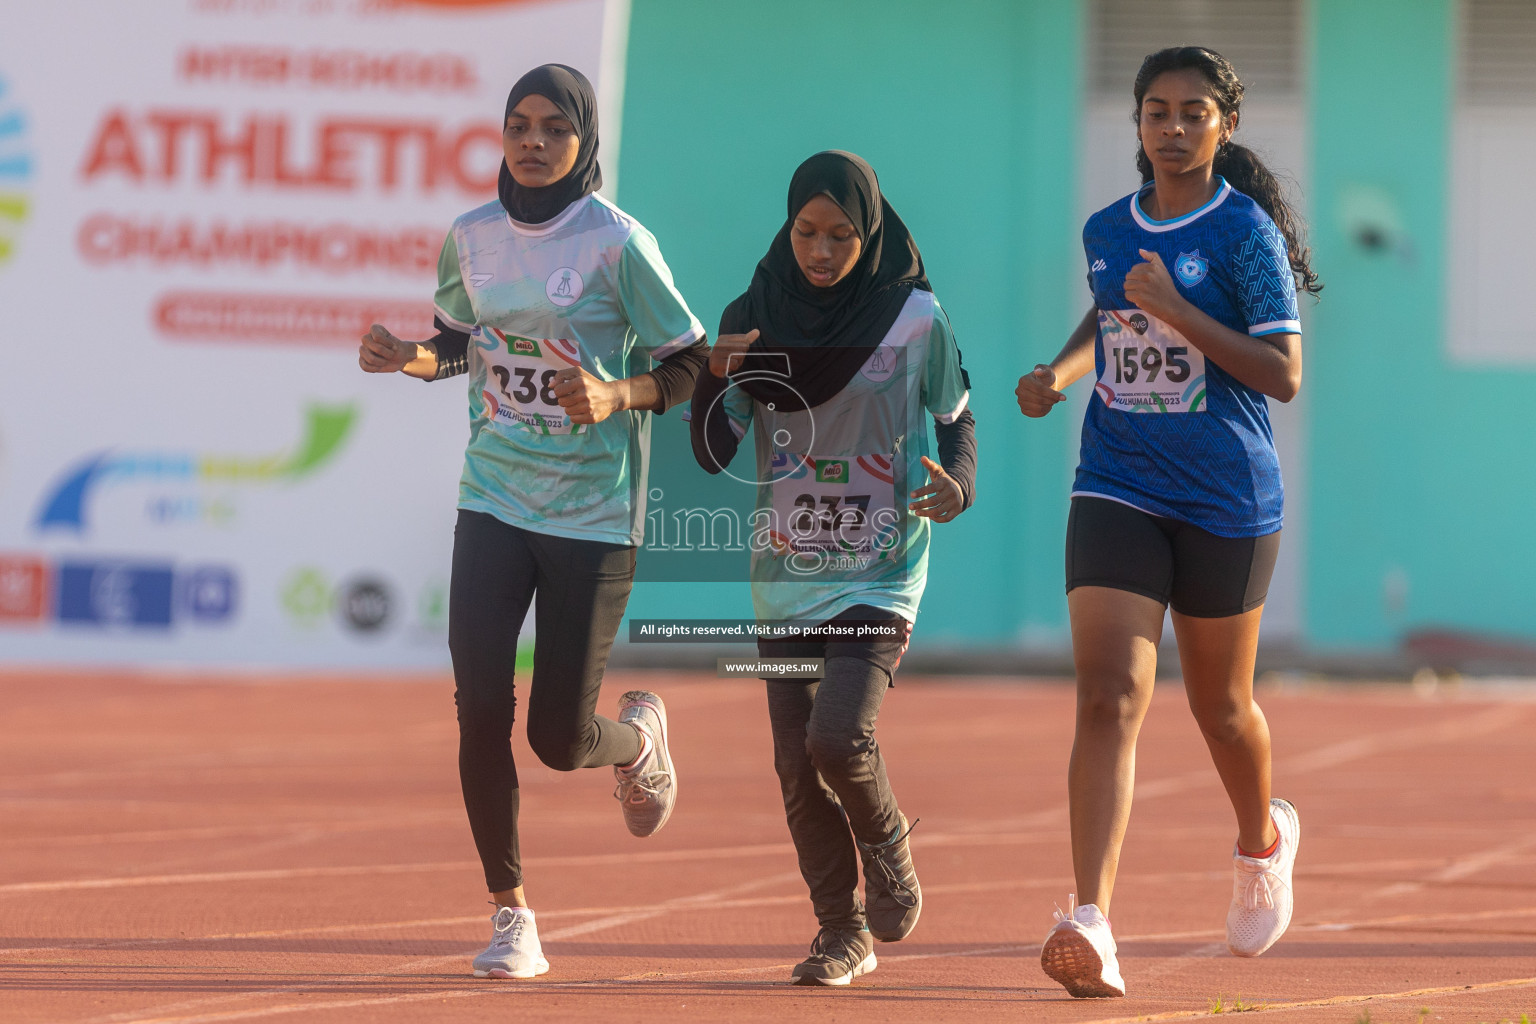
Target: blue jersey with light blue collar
[1168,430]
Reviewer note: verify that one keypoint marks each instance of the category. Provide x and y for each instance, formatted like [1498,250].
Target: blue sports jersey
[1168,431]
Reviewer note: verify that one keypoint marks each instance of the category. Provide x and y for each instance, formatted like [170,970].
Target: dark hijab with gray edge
[569,90]
[826,334]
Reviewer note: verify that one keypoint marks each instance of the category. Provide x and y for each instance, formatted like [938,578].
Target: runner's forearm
[1075,359]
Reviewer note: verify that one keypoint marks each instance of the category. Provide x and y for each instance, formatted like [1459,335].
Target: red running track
[238,850]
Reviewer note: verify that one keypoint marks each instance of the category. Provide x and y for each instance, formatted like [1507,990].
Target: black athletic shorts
[1110,544]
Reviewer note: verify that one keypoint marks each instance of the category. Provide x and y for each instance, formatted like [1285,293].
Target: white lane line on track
[1322,758]
[246,831]
[1463,867]
[614,920]
[362,928]
[717,899]
[1331,756]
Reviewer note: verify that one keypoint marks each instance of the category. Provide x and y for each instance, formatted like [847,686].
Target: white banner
[202,204]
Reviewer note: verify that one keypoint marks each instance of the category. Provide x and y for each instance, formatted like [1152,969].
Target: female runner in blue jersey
[560,308]
[836,357]
[1177,500]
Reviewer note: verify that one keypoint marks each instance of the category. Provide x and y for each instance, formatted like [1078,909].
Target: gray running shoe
[837,957]
[647,791]
[893,897]
[514,951]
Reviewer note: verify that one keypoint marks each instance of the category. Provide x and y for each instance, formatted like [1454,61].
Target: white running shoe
[649,789]
[514,951]
[1262,897]
[1079,953]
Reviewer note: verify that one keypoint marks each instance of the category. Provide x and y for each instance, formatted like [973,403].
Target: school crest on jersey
[881,364]
[1191,268]
[564,286]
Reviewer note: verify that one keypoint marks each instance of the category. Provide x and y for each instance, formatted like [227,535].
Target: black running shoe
[892,896]
[837,957]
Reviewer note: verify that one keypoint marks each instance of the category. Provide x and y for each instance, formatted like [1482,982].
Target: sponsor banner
[193,469]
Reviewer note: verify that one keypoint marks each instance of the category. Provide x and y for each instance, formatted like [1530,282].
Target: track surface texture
[197,849]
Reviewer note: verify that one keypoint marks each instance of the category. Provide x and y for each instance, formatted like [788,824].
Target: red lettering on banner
[333,248]
[284,319]
[345,154]
[331,69]
[217,149]
[113,149]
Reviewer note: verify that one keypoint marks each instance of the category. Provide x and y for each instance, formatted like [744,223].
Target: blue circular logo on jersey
[1191,268]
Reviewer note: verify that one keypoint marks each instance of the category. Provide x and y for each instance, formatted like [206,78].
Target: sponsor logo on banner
[23,589]
[109,592]
[115,593]
[365,604]
[15,171]
[66,506]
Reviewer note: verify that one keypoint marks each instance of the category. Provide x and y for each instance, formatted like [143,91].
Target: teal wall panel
[1420,506]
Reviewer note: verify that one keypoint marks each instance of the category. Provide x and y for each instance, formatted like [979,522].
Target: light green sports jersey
[831,529]
[587,289]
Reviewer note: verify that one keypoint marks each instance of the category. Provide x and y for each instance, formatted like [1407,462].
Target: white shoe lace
[1258,890]
[643,787]
[642,783]
[1071,912]
[508,928]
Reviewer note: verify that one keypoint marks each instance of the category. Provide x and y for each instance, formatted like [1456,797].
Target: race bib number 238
[1148,366]
[520,381]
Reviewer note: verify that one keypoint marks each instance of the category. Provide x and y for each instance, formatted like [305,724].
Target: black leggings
[578,589]
[831,774]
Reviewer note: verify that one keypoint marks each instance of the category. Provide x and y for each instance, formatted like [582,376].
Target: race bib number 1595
[1148,366]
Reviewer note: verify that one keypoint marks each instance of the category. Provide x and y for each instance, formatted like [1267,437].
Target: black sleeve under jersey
[452,350]
[676,373]
[957,454]
[709,428]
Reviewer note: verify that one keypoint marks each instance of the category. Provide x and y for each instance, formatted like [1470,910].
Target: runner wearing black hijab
[578,336]
[832,355]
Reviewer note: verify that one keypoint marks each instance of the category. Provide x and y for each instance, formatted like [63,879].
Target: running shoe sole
[864,967]
[497,972]
[1070,960]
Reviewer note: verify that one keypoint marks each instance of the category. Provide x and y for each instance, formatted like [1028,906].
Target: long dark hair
[1240,165]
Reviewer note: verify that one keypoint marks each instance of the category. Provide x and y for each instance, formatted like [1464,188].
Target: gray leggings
[829,766]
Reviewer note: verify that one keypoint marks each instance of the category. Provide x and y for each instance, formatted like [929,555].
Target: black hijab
[569,90]
[826,334]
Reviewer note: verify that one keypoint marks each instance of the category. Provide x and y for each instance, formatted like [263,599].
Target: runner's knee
[560,749]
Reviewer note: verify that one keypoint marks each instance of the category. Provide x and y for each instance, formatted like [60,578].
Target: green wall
[1421,505]
[969,113]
